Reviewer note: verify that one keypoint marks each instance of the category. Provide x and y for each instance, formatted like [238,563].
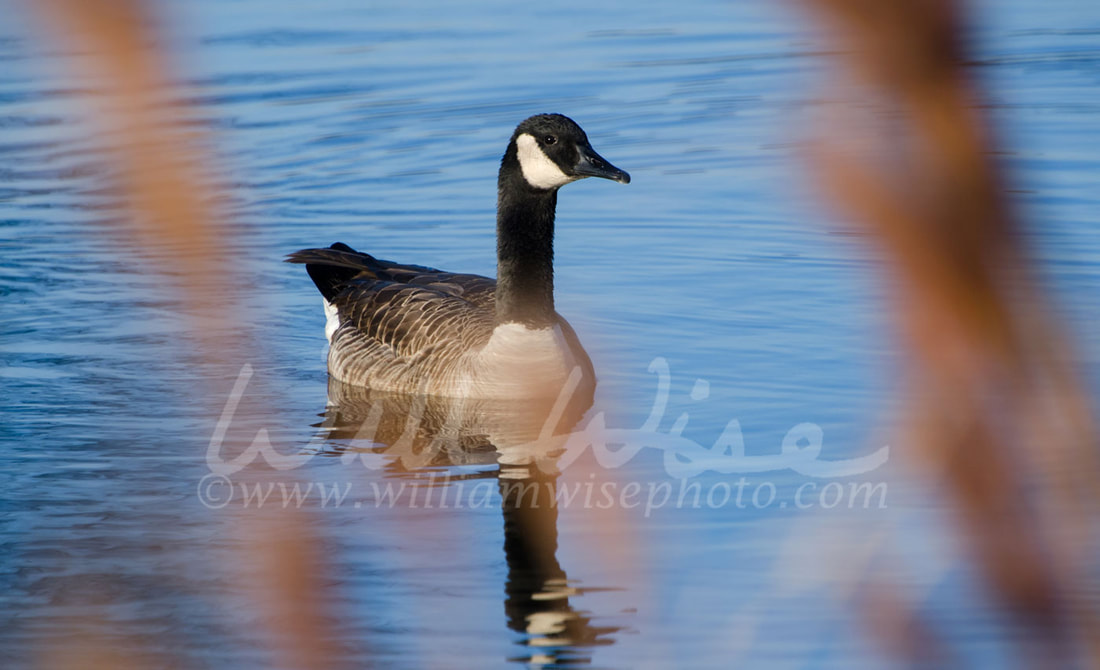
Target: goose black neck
[525,252]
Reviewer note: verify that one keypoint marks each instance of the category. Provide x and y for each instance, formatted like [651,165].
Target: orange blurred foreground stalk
[997,413]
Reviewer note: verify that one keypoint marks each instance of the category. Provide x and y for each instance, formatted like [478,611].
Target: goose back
[415,329]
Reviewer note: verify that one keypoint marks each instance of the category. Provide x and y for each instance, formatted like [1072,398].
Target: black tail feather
[331,268]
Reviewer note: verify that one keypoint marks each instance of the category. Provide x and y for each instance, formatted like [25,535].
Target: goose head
[551,150]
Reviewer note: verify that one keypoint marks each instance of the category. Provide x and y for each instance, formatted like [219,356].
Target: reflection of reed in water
[524,439]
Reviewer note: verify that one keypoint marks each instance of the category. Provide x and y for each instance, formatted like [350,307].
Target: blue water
[381,125]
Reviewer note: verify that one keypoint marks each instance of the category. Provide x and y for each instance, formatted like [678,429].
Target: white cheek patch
[538,169]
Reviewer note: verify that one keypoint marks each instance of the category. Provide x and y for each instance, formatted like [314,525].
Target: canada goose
[409,328]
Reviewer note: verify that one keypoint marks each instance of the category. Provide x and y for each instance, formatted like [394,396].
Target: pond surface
[718,299]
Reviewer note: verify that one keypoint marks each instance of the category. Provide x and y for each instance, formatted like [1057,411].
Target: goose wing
[412,321]
[474,289]
[333,267]
[398,323]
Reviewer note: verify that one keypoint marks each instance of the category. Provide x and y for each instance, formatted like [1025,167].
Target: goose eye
[550,139]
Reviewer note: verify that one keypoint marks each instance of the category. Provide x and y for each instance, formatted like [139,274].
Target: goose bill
[591,164]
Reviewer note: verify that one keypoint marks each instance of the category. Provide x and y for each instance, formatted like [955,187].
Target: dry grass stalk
[157,159]
[997,411]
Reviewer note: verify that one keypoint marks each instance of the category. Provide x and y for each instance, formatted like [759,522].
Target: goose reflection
[523,440]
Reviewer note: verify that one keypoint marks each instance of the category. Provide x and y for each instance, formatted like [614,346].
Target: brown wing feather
[400,335]
[475,289]
[333,267]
